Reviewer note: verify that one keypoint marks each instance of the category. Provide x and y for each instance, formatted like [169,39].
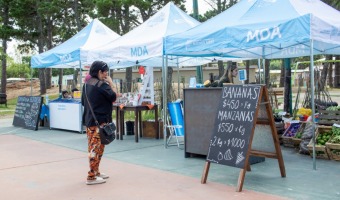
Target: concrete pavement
[37,170]
[52,164]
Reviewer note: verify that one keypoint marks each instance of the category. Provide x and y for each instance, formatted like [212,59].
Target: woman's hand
[108,80]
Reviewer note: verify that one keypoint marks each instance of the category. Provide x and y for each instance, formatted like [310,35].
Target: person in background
[101,93]
[228,76]
[73,90]
[65,94]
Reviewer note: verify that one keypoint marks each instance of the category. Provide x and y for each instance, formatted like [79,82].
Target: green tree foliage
[275,64]
[333,3]
[124,15]
[217,6]
[18,70]
[42,24]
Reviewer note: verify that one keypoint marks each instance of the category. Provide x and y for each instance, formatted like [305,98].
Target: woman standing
[100,93]
[229,75]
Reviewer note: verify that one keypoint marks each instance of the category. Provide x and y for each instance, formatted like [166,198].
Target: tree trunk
[48,71]
[282,77]
[220,69]
[4,50]
[330,75]
[128,77]
[75,78]
[247,70]
[266,72]
[323,77]
[337,73]
[4,66]
[79,27]
[41,49]
[287,84]
[60,82]
[76,14]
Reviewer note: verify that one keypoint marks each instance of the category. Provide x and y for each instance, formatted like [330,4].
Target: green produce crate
[333,149]
[320,150]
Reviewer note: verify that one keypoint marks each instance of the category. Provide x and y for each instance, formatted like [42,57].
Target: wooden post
[205,172]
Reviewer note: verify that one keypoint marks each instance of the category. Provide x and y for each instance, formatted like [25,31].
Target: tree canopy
[40,25]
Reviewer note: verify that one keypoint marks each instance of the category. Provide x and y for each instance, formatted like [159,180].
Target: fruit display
[335,139]
[298,135]
[322,134]
[323,137]
[335,130]
[333,144]
[304,112]
[292,130]
[333,108]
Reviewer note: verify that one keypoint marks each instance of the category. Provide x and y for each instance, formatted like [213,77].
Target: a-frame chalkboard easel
[242,100]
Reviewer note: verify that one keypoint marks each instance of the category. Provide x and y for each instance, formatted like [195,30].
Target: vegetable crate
[296,142]
[289,134]
[333,151]
[320,150]
[329,117]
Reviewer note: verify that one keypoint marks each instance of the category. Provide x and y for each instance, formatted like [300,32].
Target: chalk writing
[27,112]
[234,123]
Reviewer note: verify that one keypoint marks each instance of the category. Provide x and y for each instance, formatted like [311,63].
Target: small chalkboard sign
[27,112]
[244,111]
[233,125]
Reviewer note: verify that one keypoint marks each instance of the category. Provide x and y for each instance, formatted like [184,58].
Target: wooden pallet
[328,117]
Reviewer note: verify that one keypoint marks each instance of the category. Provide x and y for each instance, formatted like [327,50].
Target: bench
[3,99]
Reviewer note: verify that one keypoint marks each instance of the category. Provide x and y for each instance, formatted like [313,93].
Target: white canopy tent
[73,52]
[144,44]
[264,29]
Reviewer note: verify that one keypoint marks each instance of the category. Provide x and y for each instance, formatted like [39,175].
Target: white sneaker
[98,180]
[103,176]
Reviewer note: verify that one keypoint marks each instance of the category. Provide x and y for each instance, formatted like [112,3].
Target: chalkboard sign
[27,112]
[244,126]
[234,124]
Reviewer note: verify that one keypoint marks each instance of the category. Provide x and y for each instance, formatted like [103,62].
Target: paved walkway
[52,164]
[37,170]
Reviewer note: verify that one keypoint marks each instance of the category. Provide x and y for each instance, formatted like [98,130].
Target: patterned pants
[95,149]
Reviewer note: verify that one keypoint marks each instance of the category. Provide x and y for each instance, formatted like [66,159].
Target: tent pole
[178,85]
[80,89]
[81,75]
[259,68]
[263,63]
[263,71]
[164,79]
[311,69]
